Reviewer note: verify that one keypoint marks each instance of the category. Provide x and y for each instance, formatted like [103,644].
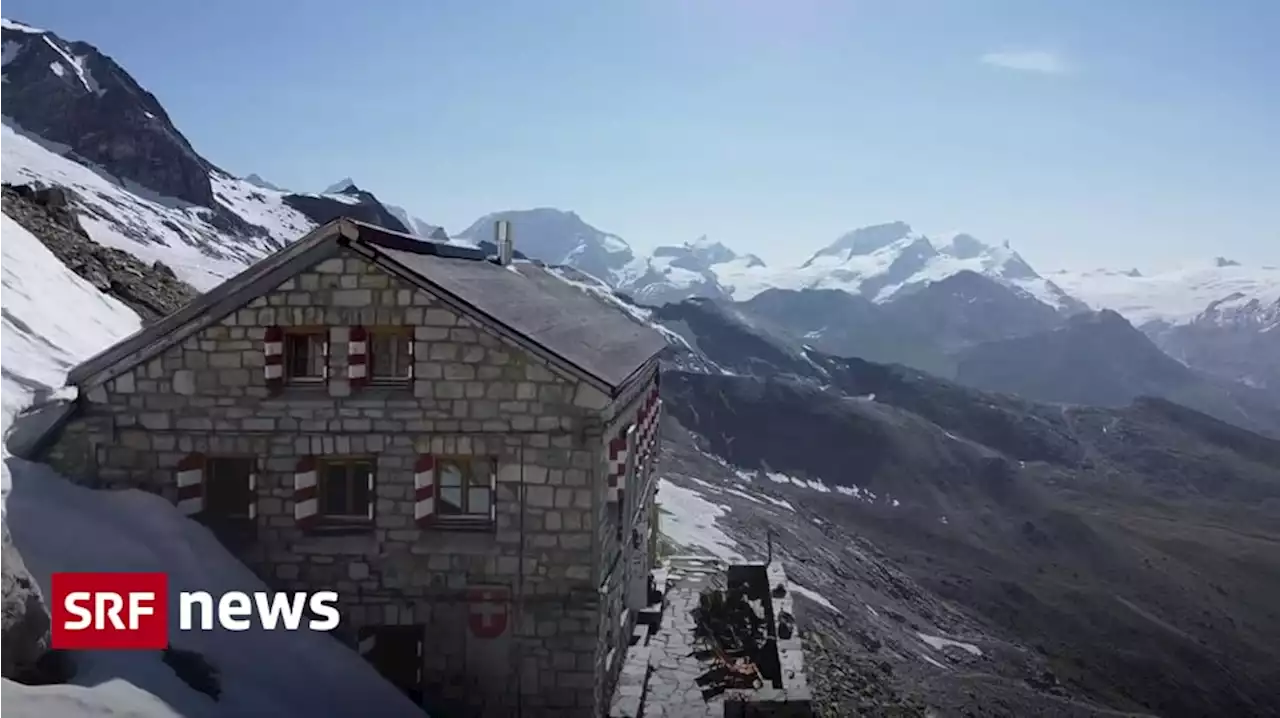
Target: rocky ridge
[73,94]
[151,290]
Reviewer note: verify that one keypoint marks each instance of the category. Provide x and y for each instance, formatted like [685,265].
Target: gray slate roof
[599,340]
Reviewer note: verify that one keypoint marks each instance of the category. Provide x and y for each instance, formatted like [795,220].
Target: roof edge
[463,307]
[223,299]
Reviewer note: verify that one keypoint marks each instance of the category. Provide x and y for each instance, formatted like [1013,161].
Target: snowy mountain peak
[560,237]
[342,186]
[417,225]
[1224,262]
[710,252]
[257,181]
[16,26]
[864,240]
[960,245]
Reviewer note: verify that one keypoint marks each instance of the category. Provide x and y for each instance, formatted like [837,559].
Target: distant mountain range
[974,291]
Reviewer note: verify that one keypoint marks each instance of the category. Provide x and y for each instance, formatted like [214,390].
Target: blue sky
[1137,133]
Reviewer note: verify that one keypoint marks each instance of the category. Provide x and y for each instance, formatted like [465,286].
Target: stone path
[660,673]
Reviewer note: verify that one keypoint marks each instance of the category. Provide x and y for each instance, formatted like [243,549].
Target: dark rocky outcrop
[195,670]
[72,94]
[26,619]
[968,308]
[150,290]
[837,322]
[364,207]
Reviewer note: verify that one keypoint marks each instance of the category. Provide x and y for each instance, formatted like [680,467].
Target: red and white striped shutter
[253,493]
[619,451]
[424,489]
[273,350]
[493,489]
[306,491]
[324,353]
[190,481]
[358,356]
[412,340]
[642,443]
[617,448]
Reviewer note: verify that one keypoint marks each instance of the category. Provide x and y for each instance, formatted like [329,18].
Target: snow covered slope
[154,228]
[59,526]
[41,339]
[1175,296]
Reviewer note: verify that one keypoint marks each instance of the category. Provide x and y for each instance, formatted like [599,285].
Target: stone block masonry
[537,562]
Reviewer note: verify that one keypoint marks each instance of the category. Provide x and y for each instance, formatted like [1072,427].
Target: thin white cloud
[1041,61]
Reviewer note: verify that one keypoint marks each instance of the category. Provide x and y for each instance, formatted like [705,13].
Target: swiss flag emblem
[487,610]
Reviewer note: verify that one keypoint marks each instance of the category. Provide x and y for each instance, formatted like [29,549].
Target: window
[465,488]
[346,490]
[396,652]
[228,487]
[391,353]
[306,355]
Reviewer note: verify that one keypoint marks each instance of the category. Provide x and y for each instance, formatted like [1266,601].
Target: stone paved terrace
[660,677]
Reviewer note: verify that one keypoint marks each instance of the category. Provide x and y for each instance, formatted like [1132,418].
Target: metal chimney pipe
[502,238]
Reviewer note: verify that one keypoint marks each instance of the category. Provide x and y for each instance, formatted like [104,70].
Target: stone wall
[472,394]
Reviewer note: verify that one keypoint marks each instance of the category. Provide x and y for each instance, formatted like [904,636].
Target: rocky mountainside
[1235,338]
[967,308]
[152,291]
[415,225]
[72,94]
[844,324]
[1100,359]
[351,202]
[922,327]
[978,554]
[76,119]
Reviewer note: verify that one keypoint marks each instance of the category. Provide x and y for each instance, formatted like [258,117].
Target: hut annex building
[462,446]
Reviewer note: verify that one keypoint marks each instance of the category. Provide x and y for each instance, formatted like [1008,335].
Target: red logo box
[110,611]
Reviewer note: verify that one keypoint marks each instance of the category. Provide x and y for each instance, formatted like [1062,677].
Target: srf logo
[110,611]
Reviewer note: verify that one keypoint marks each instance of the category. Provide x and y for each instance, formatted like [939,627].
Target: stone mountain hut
[462,446]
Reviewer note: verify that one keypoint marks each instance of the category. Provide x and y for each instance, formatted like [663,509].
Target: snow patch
[816,597]
[76,64]
[930,661]
[857,492]
[8,24]
[9,52]
[812,484]
[689,520]
[938,643]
